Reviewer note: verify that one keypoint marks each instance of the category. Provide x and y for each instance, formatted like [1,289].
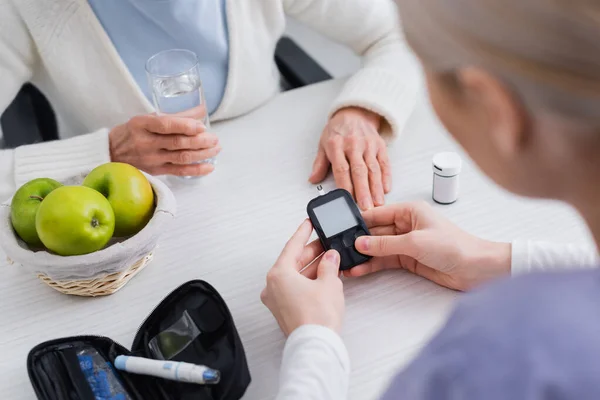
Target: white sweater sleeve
[58,160]
[7,179]
[16,68]
[531,256]
[18,54]
[388,82]
[315,366]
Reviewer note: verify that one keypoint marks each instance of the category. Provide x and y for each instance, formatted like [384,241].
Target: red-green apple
[24,207]
[75,220]
[128,192]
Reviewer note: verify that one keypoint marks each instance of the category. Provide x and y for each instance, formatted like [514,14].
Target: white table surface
[231,227]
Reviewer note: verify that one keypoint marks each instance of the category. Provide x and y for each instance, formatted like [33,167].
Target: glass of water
[174,78]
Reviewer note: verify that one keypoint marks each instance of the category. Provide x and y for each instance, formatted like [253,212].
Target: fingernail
[362,243]
[209,167]
[200,127]
[380,200]
[366,204]
[332,256]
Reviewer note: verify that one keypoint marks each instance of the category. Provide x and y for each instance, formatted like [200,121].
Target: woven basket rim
[165,204]
[99,286]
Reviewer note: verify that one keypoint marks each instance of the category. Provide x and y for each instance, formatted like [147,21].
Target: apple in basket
[24,208]
[114,199]
[75,220]
[128,192]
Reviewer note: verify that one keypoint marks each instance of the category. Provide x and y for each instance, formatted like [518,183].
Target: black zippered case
[55,373]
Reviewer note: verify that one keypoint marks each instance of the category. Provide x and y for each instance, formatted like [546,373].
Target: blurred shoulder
[529,303]
[533,333]
[555,292]
[532,337]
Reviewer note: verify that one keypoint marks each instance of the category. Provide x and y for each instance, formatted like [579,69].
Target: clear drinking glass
[174,78]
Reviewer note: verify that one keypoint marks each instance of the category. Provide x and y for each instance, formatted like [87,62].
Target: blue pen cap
[211,376]
[120,362]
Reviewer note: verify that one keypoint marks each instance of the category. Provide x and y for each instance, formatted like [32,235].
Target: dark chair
[296,67]
[30,118]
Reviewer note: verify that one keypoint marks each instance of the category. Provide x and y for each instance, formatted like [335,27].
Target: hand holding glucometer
[338,223]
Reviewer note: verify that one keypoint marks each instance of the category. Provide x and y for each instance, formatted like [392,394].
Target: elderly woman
[88,57]
[517,83]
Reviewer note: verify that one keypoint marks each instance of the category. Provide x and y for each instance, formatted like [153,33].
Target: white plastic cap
[447,164]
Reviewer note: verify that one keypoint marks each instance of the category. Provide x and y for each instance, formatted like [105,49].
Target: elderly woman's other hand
[357,154]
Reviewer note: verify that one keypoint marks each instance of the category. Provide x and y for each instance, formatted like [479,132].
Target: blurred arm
[315,366]
[532,256]
[389,80]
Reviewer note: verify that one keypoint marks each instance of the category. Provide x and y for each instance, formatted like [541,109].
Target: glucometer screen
[335,217]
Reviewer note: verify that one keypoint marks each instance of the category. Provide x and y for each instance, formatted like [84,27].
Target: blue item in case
[101,376]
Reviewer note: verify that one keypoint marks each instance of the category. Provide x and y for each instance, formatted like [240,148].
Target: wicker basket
[97,274]
[102,286]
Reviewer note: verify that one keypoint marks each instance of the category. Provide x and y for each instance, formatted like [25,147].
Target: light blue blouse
[142,28]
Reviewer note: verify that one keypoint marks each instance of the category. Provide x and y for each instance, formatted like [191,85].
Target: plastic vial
[446,170]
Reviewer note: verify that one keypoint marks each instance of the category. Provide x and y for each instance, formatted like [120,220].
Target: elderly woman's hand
[352,146]
[164,145]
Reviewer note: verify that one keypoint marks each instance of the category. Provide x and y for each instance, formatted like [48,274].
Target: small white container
[446,170]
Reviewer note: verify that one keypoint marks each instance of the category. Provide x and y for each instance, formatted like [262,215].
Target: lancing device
[172,370]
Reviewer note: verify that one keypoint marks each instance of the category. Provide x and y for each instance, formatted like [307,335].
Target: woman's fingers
[403,215]
[339,164]
[184,157]
[375,178]
[433,275]
[329,267]
[373,265]
[360,178]
[386,169]
[385,215]
[311,271]
[391,262]
[167,125]
[309,254]
[292,252]
[309,261]
[382,246]
[183,142]
[198,113]
[385,230]
[183,170]
[320,167]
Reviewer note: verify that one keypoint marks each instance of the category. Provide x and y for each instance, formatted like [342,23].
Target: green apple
[75,220]
[24,207]
[129,193]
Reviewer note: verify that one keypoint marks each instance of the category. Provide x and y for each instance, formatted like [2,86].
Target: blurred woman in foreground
[518,85]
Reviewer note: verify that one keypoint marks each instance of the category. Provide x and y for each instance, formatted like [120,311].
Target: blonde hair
[547,51]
